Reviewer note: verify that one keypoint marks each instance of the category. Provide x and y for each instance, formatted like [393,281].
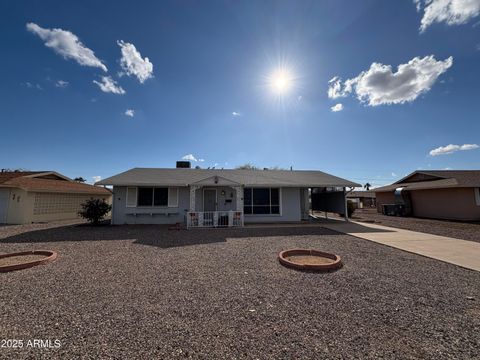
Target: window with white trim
[157,196]
[261,201]
[477,196]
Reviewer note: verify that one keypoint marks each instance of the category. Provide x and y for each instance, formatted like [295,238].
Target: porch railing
[208,219]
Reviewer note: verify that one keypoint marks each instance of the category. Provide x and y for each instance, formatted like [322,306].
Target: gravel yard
[455,229]
[147,292]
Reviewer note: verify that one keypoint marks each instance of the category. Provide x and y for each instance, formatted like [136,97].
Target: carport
[330,199]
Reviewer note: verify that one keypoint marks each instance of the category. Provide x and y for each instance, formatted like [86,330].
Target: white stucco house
[216,198]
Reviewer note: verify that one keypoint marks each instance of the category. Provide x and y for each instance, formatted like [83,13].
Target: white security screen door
[209,200]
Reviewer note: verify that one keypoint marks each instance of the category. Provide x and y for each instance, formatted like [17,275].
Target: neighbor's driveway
[455,251]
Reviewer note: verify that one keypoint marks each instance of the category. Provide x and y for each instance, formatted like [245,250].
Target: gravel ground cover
[126,292]
[459,230]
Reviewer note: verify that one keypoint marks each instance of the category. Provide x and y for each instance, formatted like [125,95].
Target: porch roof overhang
[216,181]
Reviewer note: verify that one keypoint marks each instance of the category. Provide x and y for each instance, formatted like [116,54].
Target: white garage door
[4,195]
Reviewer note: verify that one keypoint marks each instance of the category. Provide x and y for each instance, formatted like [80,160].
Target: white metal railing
[202,219]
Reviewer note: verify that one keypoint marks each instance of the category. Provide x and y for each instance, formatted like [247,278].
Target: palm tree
[367,186]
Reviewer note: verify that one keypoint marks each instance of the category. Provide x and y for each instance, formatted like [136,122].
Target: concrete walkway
[459,252]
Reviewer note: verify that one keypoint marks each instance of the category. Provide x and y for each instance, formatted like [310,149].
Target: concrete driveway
[455,251]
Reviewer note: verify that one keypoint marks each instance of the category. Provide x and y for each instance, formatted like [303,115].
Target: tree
[367,186]
[247,166]
[94,210]
[79,179]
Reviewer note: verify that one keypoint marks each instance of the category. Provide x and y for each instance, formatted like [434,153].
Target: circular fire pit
[25,259]
[305,259]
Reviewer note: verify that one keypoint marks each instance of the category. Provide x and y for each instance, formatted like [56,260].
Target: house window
[261,201]
[149,196]
[477,196]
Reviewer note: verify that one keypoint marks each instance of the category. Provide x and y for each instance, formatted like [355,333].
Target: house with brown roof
[436,194]
[362,199]
[42,196]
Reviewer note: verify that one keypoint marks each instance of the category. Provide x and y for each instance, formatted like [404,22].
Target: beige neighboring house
[42,196]
[362,199]
[436,194]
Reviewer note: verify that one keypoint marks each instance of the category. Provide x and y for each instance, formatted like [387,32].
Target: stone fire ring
[49,257]
[284,256]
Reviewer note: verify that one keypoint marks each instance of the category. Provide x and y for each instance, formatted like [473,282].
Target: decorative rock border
[283,259]
[49,257]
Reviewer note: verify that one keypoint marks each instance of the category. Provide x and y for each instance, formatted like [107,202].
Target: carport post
[346,203]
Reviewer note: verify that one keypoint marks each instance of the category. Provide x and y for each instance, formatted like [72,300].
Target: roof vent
[184,165]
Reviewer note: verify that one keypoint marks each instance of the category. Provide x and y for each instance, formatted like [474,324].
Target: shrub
[351,206]
[94,210]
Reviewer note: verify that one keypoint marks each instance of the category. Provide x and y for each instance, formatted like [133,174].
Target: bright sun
[281,81]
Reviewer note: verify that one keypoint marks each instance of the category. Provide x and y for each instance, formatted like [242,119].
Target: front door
[209,200]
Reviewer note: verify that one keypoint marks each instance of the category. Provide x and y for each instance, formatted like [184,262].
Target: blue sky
[208,86]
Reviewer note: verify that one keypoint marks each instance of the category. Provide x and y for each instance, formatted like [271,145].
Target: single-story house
[218,197]
[362,199]
[436,194]
[42,196]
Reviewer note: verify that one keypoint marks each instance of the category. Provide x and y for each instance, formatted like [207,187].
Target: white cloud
[418,4]
[201,160]
[335,88]
[130,112]
[189,157]
[68,45]
[61,83]
[337,107]
[33,86]
[393,174]
[379,85]
[235,113]
[96,178]
[133,64]
[109,85]
[450,149]
[451,12]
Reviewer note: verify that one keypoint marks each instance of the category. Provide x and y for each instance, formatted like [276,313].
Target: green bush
[94,210]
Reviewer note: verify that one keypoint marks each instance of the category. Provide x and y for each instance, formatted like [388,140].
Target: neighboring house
[362,199]
[437,194]
[42,196]
[210,197]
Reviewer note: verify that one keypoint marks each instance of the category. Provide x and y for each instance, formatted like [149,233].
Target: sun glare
[281,81]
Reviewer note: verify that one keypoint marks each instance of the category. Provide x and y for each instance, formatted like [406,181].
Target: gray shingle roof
[185,177]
